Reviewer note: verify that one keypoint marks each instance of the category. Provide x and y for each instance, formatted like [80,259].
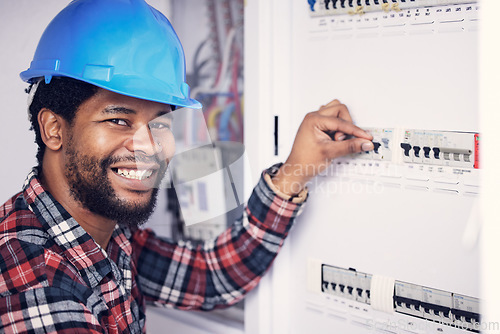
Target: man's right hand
[314,148]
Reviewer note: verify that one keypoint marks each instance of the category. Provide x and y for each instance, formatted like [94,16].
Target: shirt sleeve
[219,272]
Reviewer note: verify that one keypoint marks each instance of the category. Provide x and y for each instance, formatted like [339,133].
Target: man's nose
[143,141]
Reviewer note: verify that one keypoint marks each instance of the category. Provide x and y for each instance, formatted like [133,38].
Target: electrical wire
[224,113]
[223,68]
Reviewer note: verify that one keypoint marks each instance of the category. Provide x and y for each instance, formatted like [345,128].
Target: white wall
[22,23]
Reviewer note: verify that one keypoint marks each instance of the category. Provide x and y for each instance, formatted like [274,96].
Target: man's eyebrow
[126,111]
[118,110]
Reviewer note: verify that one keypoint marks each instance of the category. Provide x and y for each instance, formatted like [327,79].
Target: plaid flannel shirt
[55,278]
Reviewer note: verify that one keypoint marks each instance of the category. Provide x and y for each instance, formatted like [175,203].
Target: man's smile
[133,173]
[136,178]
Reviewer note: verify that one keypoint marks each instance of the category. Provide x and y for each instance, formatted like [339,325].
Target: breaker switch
[427,151]
[385,141]
[342,287]
[311,4]
[407,148]
[436,152]
[416,149]
[327,3]
[349,289]
[376,146]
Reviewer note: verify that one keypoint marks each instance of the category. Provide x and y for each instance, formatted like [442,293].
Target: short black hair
[63,96]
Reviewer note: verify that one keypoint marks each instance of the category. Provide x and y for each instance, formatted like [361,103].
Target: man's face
[116,153]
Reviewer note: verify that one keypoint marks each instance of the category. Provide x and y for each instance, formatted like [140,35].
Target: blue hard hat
[125,46]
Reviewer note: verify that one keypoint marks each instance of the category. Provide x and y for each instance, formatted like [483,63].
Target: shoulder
[20,229]
[29,258]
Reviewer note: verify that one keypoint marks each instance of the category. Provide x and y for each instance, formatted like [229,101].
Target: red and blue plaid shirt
[55,278]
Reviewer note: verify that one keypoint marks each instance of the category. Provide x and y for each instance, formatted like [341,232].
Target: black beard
[89,184]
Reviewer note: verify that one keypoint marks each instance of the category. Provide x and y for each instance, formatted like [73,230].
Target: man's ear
[51,129]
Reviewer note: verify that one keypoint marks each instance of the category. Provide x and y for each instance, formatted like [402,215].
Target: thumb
[337,149]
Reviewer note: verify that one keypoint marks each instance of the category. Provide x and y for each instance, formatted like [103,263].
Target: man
[104,79]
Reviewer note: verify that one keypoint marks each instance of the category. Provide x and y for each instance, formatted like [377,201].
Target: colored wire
[223,69]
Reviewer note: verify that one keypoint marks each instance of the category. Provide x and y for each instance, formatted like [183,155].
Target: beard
[90,185]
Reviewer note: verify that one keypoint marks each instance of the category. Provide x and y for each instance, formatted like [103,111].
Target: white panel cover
[393,70]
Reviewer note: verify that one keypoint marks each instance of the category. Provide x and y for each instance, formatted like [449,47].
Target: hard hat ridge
[125,46]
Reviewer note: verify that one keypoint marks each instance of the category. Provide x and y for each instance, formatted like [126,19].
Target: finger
[337,110]
[330,104]
[339,136]
[350,146]
[331,124]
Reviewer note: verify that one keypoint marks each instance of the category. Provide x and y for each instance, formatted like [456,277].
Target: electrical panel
[404,215]
[443,307]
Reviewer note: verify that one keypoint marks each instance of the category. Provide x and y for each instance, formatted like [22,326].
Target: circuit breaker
[446,148]
[443,307]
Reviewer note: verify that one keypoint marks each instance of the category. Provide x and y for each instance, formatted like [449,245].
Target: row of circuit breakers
[439,148]
[339,7]
[427,303]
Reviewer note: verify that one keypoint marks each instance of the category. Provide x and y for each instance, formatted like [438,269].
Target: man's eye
[159,126]
[118,121]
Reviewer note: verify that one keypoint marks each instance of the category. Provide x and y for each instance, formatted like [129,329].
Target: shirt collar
[78,246]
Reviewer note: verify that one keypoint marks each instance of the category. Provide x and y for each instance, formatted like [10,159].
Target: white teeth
[135,174]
